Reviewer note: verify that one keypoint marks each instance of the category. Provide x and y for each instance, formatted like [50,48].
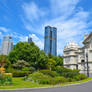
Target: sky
[23,18]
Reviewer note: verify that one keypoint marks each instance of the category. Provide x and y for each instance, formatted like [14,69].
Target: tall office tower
[7,45]
[29,39]
[50,42]
[0,51]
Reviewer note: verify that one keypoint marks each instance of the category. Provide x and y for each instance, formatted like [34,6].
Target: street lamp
[87,64]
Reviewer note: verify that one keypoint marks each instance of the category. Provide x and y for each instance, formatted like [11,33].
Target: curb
[20,89]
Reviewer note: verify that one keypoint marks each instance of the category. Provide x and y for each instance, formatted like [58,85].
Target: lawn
[19,83]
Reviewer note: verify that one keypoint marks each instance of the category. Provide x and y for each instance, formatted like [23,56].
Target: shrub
[80,77]
[37,76]
[60,79]
[49,72]
[32,69]
[5,79]
[17,73]
[68,73]
[71,79]
[45,79]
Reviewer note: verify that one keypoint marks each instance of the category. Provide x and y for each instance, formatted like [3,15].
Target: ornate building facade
[77,57]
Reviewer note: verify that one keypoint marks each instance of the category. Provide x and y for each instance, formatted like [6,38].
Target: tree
[51,63]
[28,52]
[42,61]
[21,64]
[59,60]
[3,60]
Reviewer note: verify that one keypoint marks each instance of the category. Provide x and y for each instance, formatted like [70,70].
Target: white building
[76,57]
[7,45]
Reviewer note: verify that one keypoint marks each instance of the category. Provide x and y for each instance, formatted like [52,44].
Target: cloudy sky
[23,18]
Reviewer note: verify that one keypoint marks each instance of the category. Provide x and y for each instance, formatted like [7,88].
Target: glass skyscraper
[50,42]
[7,45]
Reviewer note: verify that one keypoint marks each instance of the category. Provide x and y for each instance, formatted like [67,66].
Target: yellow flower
[2,69]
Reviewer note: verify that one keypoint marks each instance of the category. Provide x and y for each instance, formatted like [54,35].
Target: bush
[49,72]
[60,79]
[68,73]
[32,69]
[37,76]
[17,73]
[71,79]
[45,79]
[80,77]
[5,79]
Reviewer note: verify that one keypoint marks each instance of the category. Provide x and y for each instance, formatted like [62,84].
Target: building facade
[50,42]
[77,57]
[29,39]
[7,45]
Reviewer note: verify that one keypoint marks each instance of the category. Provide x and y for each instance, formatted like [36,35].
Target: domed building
[77,57]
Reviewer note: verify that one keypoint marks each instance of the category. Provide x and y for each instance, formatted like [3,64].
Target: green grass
[19,83]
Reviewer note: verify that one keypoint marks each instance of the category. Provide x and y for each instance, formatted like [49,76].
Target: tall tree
[42,61]
[59,60]
[25,51]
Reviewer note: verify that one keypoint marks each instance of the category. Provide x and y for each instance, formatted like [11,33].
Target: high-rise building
[7,45]
[29,39]
[0,51]
[50,42]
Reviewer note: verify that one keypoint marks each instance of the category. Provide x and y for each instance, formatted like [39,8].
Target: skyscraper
[7,45]
[50,42]
[29,39]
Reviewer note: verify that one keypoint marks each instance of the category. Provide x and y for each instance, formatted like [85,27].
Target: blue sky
[23,18]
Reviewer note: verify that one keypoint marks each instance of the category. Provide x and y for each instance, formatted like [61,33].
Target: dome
[71,45]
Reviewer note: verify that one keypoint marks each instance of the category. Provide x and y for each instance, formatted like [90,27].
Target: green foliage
[37,77]
[3,60]
[68,73]
[5,79]
[45,79]
[60,79]
[51,64]
[49,72]
[30,53]
[24,51]
[21,64]
[32,69]
[59,60]
[20,73]
[42,60]
[80,77]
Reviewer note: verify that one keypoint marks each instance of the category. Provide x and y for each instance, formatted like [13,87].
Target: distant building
[50,42]
[29,39]
[7,45]
[76,57]
[0,51]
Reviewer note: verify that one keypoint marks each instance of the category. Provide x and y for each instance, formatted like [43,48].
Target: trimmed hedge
[49,72]
[17,73]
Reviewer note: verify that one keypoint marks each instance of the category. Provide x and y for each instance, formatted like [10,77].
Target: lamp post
[87,64]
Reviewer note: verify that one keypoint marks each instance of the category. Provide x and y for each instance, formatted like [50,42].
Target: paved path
[85,87]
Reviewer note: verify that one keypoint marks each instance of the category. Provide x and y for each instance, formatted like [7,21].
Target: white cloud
[32,11]
[24,38]
[63,8]
[1,35]
[71,21]
[37,41]
[3,29]
[69,28]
